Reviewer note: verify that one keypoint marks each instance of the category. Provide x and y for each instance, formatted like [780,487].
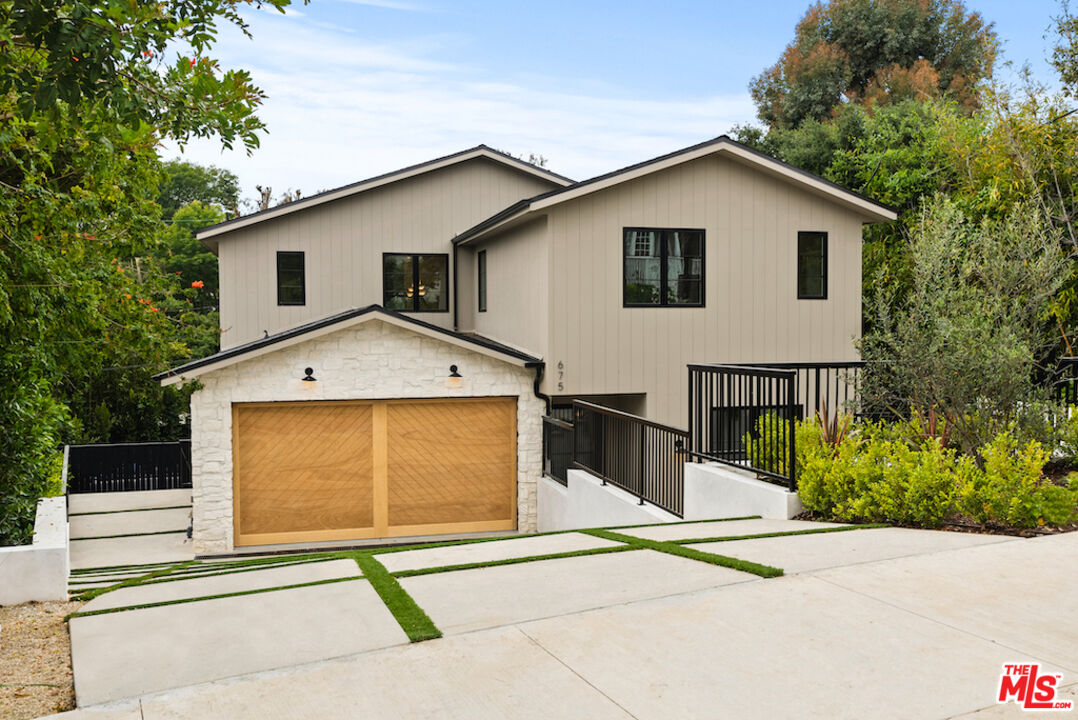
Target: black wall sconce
[454,380]
[309,377]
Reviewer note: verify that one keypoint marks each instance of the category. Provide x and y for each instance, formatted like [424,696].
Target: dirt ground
[35,660]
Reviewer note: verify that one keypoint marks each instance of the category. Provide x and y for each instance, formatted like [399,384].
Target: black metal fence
[557,448]
[832,385]
[126,467]
[744,416]
[639,456]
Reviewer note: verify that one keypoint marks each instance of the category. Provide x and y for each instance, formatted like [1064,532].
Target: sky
[357,88]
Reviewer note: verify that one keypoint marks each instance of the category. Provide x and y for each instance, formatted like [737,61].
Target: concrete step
[128,523]
[141,500]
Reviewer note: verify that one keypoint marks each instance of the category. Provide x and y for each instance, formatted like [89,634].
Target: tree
[186,182]
[965,340]
[86,95]
[874,52]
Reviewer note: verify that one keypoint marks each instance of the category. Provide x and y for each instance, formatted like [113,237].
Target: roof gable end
[868,208]
[210,235]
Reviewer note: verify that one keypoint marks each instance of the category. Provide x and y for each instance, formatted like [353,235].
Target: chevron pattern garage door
[313,471]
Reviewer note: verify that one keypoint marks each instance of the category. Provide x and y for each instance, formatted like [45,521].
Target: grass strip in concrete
[415,623]
[90,594]
[510,561]
[765,571]
[780,533]
[127,535]
[470,541]
[129,510]
[174,577]
[180,601]
[204,567]
[114,569]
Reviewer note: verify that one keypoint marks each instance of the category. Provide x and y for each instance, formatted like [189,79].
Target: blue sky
[361,87]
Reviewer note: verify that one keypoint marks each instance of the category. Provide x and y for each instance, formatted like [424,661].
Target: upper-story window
[291,279]
[812,265]
[415,283]
[481,273]
[663,268]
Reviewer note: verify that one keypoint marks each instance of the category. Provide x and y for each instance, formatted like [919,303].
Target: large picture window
[663,268]
[812,265]
[291,279]
[415,283]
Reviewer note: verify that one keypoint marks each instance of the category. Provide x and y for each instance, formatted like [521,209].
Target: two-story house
[390,347]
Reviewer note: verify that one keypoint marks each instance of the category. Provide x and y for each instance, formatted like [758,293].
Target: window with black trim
[291,279]
[482,275]
[811,266]
[663,268]
[415,283]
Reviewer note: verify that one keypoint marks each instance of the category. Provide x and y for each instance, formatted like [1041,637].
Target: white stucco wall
[38,571]
[716,491]
[371,361]
[586,503]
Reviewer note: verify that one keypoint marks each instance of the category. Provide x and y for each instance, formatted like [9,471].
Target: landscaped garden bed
[903,473]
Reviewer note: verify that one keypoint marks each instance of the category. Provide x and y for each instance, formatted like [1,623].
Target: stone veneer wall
[371,361]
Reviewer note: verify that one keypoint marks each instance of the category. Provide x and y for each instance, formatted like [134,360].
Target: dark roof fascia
[298,204]
[517,207]
[299,330]
[523,205]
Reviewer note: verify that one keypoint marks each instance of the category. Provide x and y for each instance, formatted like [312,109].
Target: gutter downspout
[453,291]
[539,368]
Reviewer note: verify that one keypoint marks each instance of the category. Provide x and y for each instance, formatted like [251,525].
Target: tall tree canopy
[875,52]
[186,182]
[88,89]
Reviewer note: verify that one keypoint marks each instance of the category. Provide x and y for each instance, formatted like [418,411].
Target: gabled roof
[340,321]
[479,151]
[872,210]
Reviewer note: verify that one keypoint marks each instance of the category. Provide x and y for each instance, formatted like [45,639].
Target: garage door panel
[451,461]
[338,470]
[304,467]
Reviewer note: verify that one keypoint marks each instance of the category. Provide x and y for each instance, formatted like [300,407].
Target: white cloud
[341,110]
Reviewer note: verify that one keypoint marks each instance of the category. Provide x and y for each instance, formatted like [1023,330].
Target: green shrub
[770,448]
[1011,490]
[877,475]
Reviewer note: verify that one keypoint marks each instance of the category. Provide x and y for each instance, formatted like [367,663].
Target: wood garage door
[310,471]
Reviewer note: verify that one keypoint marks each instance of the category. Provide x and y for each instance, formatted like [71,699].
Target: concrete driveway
[867,623]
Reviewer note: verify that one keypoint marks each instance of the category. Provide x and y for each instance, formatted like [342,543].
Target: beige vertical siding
[751,311]
[466,289]
[518,276]
[343,242]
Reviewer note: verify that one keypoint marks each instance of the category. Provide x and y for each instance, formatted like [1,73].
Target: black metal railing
[745,416]
[831,385]
[557,448]
[637,455]
[125,467]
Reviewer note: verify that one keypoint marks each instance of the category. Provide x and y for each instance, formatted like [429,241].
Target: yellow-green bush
[876,474]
